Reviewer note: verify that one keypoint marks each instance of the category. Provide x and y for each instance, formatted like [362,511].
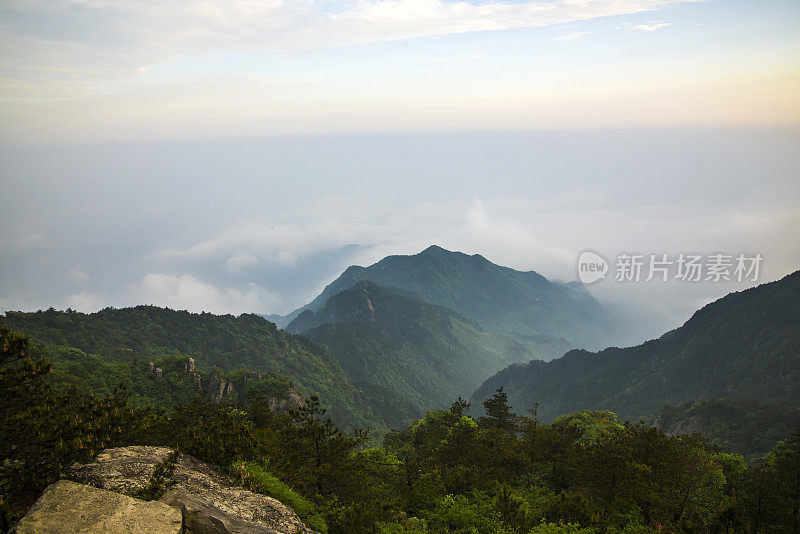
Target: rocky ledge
[207,501]
[66,507]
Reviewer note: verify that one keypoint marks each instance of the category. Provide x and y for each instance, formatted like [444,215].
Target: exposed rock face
[190,370]
[155,372]
[219,388]
[199,517]
[67,507]
[692,425]
[207,499]
[293,401]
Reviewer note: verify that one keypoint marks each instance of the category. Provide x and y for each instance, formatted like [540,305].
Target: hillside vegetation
[499,473]
[745,345]
[99,350]
[406,355]
[740,426]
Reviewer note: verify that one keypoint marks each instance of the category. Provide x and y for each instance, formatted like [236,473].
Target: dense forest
[745,345]
[447,472]
[742,426]
[349,424]
[406,355]
[99,350]
[379,368]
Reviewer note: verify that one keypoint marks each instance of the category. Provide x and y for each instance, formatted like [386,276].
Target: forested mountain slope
[497,298]
[741,426]
[406,355]
[101,348]
[744,345]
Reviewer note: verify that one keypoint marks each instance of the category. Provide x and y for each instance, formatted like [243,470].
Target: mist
[263,224]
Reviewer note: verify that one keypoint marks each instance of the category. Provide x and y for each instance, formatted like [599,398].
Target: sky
[114,70]
[237,156]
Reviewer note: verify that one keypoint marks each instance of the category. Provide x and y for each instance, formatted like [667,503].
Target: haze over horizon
[263,225]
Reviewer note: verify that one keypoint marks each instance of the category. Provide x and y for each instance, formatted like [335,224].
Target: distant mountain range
[745,345]
[496,298]
[406,355]
[381,344]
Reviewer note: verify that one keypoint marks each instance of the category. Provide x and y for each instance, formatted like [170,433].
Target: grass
[262,481]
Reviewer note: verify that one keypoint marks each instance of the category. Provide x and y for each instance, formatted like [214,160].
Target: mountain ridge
[744,345]
[495,297]
[125,339]
[406,352]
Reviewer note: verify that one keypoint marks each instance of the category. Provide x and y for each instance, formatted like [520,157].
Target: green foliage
[773,502]
[742,426]
[13,345]
[466,514]
[262,481]
[561,528]
[403,354]
[218,433]
[160,480]
[553,316]
[590,427]
[745,345]
[95,352]
[445,473]
[498,413]
[42,430]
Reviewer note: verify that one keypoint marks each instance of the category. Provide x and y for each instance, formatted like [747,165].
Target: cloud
[86,302]
[31,241]
[236,264]
[651,27]
[458,57]
[571,36]
[227,85]
[78,274]
[283,243]
[77,41]
[187,292]
[538,201]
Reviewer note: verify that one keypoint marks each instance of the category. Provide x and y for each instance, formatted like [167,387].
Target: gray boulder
[199,517]
[209,501]
[67,507]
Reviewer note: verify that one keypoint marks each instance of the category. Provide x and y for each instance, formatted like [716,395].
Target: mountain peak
[495,297]
[436,249]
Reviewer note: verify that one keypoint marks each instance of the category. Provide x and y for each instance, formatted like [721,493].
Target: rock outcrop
[156,372]
[67,507]
[208,500]
[292,401]
[219,388]
[189,369]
